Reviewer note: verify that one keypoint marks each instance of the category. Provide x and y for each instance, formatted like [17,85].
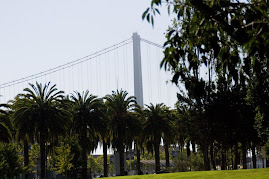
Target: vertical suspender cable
[150,79]
[78,83]
[97,76]
[106,71]
[73,78]
[158,72]
[87,78]
[149,82]
[124,68]
[117,68]
[127,69]
[109,86]
[82,76]
[90,77]
[100,76]
[69,81]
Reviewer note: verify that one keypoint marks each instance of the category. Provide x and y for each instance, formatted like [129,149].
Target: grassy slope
[253,173]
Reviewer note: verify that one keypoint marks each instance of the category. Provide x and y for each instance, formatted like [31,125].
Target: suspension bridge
[132,65]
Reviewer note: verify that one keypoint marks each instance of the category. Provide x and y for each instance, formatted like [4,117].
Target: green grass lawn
[249,173]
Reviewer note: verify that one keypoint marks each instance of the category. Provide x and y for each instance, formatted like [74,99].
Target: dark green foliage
[122,123]
[9,161]
[42,114]
[34,154]
[5,124]
[212,34]
[88,112]
[157,124]
[218,51]
[61,159]
[184,163]
[72,140]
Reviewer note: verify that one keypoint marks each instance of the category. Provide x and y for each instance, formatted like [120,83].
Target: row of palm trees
[43,113]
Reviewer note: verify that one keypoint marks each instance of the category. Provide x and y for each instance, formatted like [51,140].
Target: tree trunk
[138,170]
[84,152]
[223,159]
[157,157]
[105,159]
[253,156]
[244,152]
[26,158]
[188,149]
[167,163]
[236,157]
[121,152]
[193,148]
[205,156]
[42,155]
[213,162]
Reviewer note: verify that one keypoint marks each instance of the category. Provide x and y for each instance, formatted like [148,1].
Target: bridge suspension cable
[152,43]
[67,65]
[104,71]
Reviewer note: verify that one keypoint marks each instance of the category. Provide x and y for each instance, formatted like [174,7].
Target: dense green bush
[192,163]
[9,161]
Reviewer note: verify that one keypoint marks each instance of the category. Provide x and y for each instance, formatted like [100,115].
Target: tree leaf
[152,21]
[145,13]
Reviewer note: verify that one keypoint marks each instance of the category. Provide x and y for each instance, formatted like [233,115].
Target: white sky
[38,35]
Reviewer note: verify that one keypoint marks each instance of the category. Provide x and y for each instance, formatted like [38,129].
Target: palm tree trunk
[213,162]
[42,155]
[26,158]
[138,170]
[157,157]
[167,163]
[253,156]
[105,159]
[121,152]
[84,152]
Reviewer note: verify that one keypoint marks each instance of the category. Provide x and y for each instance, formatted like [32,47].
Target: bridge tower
[138,90]
[138,86]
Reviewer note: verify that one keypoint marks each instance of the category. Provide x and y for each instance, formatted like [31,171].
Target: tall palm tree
[155,126]
[120,123]
[24,134]
[40,112]
[105,138]
[138,138]
[87,111]
[169,135]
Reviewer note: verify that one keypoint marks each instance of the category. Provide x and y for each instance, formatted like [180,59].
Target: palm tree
[23,133]
[40,112]
[121,121]
[4,124]
[105,138]
[87,111]
[169,135]
[139,140]
[155,126]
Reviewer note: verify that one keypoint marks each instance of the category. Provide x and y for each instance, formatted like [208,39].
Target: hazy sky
[38,35]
